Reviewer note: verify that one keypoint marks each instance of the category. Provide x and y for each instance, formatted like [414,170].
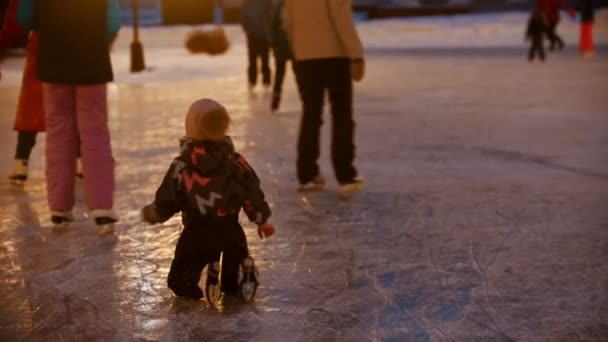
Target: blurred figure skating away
[209,183]
[329,56]
[535,33]
[282,54]
[29,117]
[256,16]
[74,66]
[550,10]
[586,46]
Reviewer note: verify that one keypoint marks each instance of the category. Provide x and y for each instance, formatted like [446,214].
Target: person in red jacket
[550,10]
[29,118]
[585,47]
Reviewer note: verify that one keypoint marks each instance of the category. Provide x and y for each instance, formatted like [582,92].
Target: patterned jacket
[210,180]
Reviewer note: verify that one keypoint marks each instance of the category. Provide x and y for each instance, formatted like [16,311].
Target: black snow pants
[200,245]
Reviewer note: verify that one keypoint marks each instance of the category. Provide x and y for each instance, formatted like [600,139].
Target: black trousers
[198,246]
[25,144]
[314,78]
[536,48]
[258,48]
[554,39]
[280,67]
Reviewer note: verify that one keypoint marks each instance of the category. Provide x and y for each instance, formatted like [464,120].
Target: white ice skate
[211,281]
[18,174]
[248,279]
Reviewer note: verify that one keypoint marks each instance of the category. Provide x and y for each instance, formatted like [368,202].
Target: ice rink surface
[484,217]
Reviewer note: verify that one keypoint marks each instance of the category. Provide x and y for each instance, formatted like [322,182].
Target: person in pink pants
[74,66]
[73,112]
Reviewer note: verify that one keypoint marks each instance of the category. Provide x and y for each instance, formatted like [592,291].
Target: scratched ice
[484,216]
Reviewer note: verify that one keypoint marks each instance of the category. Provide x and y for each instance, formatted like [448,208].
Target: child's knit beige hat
[207,120]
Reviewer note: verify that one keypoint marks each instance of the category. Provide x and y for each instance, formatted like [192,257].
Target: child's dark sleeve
[254,204]
[169,198]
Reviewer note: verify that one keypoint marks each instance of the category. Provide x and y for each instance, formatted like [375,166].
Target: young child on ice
[535,32]
[209,183]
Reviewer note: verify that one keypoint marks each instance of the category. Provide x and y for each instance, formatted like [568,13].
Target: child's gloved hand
[149,214]
[357,69]
[265,230]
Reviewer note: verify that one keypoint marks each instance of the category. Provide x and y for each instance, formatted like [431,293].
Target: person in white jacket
[328,55]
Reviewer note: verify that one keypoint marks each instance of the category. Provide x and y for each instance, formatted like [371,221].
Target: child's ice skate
[61,219]
[248,279]
[105,219]
[18,175]
[212,287]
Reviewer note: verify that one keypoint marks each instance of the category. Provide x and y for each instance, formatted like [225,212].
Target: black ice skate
[212,290]
[61,220]
[105,220]
[18,174]
[248,279]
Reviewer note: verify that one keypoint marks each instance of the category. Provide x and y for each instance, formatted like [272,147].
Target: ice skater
[282,54]
[329,57]
[586,46]
[209,183]
[550,10]
[535,33]
[255,19]
[73,62]
[29,117]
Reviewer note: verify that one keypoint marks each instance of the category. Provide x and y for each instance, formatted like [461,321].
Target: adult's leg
[343,126]
[552,36]
[541,51]
[25,144]
[252,68]
[61,145]
[294,67]
[264,51]
[310,74]
[531,52]
[280,64]
[95,147]
[560,41]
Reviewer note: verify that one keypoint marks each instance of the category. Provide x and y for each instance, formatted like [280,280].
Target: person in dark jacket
[74,67]
[282,54]
[535,33]
[586,46]
[209,183]
[256,16]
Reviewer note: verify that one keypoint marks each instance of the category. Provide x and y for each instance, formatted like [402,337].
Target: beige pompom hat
[207,120]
